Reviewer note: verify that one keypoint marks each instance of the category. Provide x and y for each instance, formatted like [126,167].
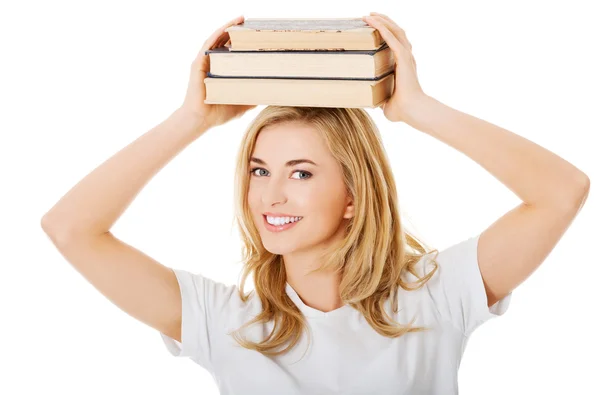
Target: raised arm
[79,224]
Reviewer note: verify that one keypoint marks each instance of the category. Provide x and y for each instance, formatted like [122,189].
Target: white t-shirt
[346,355]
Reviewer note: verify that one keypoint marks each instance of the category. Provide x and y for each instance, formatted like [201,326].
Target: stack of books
[301,62]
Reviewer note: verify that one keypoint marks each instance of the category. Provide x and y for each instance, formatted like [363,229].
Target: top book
[282,34]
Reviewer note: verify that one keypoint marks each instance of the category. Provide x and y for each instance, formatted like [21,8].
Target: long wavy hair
[371,258]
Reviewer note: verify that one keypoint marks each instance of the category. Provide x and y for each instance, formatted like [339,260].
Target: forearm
[95,203]
[534,174]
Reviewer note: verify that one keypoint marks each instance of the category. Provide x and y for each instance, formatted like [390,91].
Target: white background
[81,80]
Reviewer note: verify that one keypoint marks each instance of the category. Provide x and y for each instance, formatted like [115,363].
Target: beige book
[299,92]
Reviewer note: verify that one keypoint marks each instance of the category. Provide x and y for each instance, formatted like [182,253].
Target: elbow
[57,233]
[61,233]
[571,196]
[579,193]
[46,223]
[586,183]
[584,189]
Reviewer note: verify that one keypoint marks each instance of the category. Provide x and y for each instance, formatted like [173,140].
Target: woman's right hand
[211,115]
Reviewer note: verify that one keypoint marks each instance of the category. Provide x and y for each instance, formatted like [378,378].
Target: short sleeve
[457,288]
[203,300]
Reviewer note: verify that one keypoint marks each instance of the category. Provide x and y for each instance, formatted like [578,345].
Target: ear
[349,213]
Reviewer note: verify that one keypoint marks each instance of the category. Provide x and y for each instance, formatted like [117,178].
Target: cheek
[321,201]
[326,207]
[254,204]
[255,189]
[251,196]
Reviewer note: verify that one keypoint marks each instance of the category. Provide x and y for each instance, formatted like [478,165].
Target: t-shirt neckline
[312,312]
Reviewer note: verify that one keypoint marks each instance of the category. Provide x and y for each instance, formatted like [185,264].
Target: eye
[305,172]
[256,168]
[296,171]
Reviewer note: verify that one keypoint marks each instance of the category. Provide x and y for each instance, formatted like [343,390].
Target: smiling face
[315,192]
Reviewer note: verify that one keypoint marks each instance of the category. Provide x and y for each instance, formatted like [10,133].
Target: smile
[278,228]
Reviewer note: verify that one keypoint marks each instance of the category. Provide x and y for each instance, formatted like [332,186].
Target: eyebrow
[290,163]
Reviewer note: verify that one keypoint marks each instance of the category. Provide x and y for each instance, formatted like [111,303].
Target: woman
[345,300]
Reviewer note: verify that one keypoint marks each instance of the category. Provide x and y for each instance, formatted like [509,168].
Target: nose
[274,191]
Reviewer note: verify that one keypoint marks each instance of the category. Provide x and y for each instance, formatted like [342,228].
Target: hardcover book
[329,34]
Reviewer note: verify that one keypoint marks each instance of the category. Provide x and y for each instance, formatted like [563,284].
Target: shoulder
[214,299]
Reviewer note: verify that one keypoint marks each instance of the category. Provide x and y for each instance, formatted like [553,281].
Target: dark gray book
[302,64]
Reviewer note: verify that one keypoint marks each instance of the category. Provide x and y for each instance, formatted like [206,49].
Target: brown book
[256,34]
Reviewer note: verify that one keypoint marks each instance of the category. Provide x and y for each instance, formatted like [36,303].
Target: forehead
[282,141]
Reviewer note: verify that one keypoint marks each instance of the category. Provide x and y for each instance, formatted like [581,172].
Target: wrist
[193,121]
[415,108]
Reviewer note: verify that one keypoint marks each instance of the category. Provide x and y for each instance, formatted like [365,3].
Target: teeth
[278,221]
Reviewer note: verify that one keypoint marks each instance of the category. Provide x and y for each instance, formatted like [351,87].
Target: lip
[280,228]
[280,215]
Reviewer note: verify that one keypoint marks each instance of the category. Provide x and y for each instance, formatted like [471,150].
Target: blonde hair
[372,256]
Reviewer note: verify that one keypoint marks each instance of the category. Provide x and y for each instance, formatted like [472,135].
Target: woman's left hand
[407,90]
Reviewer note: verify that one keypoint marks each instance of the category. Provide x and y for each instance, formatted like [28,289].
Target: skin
[317,193]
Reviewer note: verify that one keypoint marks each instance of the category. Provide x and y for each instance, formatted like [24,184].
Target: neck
[319,290]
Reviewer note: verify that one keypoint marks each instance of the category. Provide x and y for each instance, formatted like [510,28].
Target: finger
[216,35]
[391,40]
[222,40]
[220,31]
[393,26]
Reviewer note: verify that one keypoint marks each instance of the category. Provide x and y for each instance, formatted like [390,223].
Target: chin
[282,243]
[278,248]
